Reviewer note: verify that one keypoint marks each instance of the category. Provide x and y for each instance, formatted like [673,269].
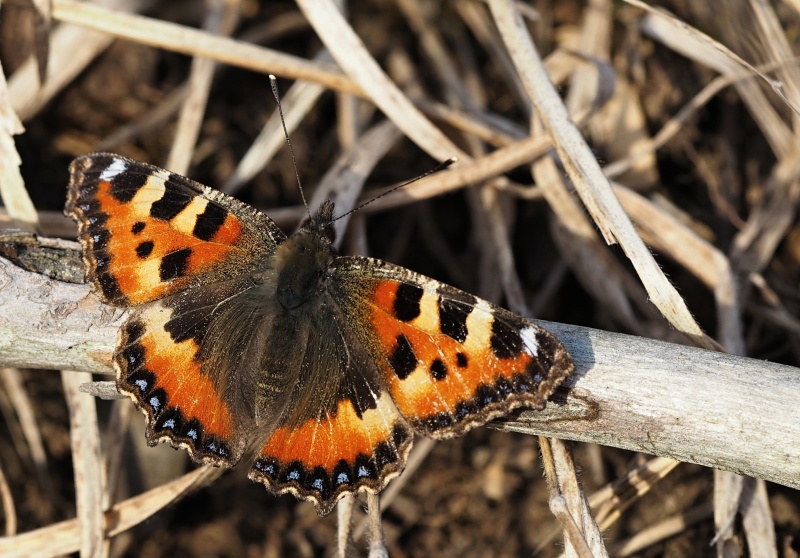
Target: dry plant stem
[422,447]
[610,501]
[377,544]
[575,498]
[221,18]
[565,497]
[193,42]
[466,173]
[48,321]
[727,490]
[661,531]
[155,117]
[673,125]
[755,245]
[667,235]
[584,171]
[90,487]
[352,56]
[344,525]
[618,394]
[428,36]
[114,443]
[774,40]
[689,42]
[65,537]
[470,123]
[43,15]
[698,46]
[9,511]
[477,20]
[12,188]
[599,272]
[757,520]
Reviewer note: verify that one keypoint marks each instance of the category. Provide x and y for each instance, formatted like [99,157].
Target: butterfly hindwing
[450,361]
[191,384]
[148,233]
[341,433]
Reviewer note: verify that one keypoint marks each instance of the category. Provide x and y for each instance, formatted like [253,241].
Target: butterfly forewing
[449,360]
[147,232]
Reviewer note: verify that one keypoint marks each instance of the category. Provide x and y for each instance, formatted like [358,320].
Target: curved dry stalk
[193,42]
[90,486]
[12,188]
[9,510]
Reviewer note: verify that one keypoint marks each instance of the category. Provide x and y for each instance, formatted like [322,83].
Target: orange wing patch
[165,380]
[327,457]
[452,361]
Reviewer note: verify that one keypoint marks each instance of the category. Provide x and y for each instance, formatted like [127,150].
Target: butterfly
[242,340]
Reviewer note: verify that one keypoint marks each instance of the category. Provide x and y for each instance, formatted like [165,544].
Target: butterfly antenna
[273,81]
[441,166]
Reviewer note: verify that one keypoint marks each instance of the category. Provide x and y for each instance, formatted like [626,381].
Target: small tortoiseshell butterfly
[324,366]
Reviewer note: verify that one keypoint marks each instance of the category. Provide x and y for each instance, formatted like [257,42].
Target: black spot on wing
[406,302]
[462,360]
[438,369]
[209,221]
[172,202]
[174,265]
[357,389]
[109,286]
[402,360]
[453,317]
[506,340]
[144,249]
[191,323]
[137,227]
[124,186]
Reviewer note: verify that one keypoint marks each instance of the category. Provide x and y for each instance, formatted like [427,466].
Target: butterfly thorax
[302,260]
[301,263]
